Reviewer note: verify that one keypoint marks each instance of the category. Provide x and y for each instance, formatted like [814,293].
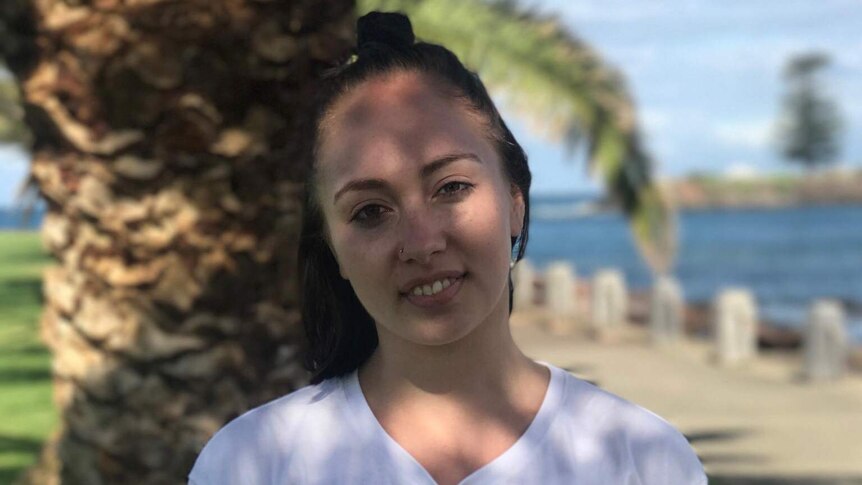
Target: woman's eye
[369,214]
[452,188]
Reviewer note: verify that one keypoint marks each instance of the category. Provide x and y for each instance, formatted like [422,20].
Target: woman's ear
[516,215]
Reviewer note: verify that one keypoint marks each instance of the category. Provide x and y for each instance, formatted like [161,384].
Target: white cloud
[749,133]
[741,171]
[614,11]
[654,120]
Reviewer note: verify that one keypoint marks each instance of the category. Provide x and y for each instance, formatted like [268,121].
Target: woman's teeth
[432,289]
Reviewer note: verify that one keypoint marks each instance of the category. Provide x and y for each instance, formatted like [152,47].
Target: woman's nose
[422,236]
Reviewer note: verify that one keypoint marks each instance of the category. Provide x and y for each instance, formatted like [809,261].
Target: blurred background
[719,103]
[747,117]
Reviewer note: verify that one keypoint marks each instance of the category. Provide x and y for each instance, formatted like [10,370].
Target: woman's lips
[442,298]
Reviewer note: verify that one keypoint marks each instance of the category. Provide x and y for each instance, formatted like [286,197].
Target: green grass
[25,380]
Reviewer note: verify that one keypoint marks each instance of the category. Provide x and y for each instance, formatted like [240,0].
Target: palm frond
[558,83]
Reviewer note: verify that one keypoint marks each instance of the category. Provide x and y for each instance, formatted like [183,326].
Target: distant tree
[810,126]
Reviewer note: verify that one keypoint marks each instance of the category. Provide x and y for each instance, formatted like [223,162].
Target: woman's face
[418,210]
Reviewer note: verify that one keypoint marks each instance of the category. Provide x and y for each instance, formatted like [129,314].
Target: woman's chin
[438,334]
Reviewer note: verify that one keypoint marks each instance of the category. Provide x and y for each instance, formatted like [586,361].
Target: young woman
[417,209]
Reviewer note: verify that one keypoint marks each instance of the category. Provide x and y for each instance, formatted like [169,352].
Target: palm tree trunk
[171,139]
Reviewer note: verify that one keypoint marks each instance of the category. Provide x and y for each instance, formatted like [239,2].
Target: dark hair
[341,334]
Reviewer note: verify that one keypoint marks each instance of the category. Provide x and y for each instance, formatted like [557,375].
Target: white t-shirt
[327,434]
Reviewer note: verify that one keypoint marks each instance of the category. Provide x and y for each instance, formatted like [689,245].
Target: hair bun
[391,29]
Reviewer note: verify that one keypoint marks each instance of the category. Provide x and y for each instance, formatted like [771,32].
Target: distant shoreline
[714,192]
[836,187]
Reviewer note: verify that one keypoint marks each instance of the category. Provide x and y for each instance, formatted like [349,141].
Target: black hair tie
[387,28]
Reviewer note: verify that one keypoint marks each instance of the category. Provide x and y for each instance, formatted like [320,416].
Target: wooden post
[734,321]
[560,298]
[610,302]
[524,281]
[666,310]
[826,343]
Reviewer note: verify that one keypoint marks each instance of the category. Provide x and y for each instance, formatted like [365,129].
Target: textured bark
[170,142]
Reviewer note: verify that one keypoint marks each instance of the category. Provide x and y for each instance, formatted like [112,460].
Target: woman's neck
[438,401]
[483,366]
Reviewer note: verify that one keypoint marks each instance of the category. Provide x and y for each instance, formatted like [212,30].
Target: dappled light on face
[372,137]
[412,186]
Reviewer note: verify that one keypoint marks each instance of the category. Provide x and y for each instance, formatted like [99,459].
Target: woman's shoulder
[587,401]
[290,409]
[629,434]
[269,433]
[594,406]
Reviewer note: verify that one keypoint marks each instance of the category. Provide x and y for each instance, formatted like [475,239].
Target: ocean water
[14,219]
[787,256]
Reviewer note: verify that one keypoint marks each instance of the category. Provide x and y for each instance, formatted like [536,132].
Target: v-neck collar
[498,469]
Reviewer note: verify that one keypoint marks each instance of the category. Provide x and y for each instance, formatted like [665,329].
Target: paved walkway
[759,420]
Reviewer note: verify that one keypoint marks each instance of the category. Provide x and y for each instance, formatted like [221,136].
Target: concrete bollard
[524,281]
[826,341]
[560,298]
[666,310]
[734,323]
[610,301]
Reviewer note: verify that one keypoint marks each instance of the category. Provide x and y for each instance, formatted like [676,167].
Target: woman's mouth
[435,293]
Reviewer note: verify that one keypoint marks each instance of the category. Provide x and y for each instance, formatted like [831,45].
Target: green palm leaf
[549,76]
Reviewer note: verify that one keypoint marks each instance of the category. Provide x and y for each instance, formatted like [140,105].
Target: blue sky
[13,169]
[706,77]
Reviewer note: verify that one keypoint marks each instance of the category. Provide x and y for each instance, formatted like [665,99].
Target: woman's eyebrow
[446,160]
[361,184]
[427,170]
